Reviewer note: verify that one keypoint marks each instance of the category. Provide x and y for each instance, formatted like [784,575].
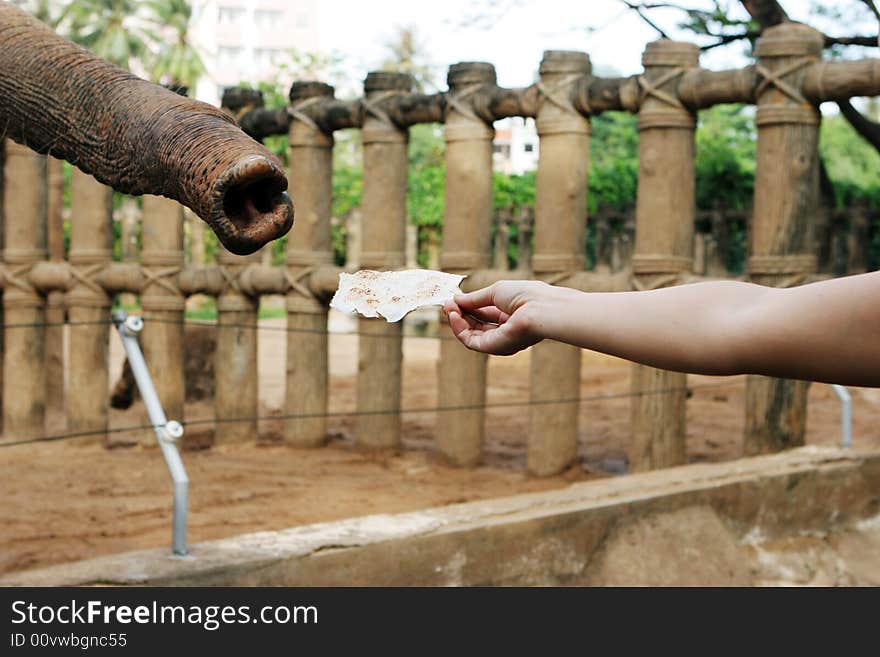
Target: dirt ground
[70,500]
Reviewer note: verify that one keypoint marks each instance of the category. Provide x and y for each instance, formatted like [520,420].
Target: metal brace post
[845,414]
[168,432]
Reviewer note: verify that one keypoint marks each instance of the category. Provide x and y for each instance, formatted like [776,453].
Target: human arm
[826,331]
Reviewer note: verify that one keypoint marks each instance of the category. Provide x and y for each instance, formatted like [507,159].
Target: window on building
[267,19]
[302,21]
[230,15]
[229,56]
[502,150]
[529,148]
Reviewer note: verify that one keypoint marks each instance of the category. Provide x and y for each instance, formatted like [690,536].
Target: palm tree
[120,31]
[51,12]
[177,62]
[407,53]
[147,36]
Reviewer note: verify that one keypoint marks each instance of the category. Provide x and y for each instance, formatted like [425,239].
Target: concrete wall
[699,524]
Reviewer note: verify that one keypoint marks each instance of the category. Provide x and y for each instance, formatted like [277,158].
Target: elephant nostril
[255,205]
[247,203]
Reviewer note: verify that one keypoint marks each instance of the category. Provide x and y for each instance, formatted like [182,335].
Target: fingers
[449,306]
[506,295]
[476,299]
[470,332]
[458,324]
[489,314]
[485,338]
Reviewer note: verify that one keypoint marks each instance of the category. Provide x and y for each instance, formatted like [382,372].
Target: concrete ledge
[688,525]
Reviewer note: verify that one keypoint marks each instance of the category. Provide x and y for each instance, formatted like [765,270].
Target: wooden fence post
[128,216]
[502,220]
[783,249]
[55,299]
[236,395]
[308,246]
[236,390]
[2,263]
[89,307]
[560,242]
[383,246]
[24,372]
[196,237]
[601,222]
[858,240]
[665,211]
[162,259]
[525,224]
[466,248]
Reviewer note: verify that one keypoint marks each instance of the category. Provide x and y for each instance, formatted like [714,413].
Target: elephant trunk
[58,98]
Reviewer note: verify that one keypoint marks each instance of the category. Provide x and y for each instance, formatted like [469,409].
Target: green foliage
[513,191]
[273,96]
[426,176]
[614,161]
[116,30]
[725,163]
[211,246]
[150,35]
[851,162]
[725,159]
[426,145]
[348,186]
[425,190]
[116,227]
[278,248]
[338,236]
[177,62]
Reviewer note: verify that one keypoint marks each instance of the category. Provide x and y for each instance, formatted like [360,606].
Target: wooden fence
[787,83]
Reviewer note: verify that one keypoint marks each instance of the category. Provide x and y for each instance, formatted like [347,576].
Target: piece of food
[392,294]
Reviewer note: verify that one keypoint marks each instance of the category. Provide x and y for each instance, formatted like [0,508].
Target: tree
[407,53]
[148,36]
[120,31]
[51,12]
[178,63]
[718,27]
[614,161]
[725,164]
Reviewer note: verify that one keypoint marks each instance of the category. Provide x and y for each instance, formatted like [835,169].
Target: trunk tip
[254,207]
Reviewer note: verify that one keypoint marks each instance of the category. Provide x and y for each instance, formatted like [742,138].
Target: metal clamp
[172,432]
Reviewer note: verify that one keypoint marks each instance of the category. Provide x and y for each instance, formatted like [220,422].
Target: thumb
[477,299]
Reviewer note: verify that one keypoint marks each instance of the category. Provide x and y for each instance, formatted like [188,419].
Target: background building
[515,149]
[247,40]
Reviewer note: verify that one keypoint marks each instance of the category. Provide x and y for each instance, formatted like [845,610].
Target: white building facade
[515,149]
[246,40]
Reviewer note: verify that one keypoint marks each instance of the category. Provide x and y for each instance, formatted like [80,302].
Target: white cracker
[393,294]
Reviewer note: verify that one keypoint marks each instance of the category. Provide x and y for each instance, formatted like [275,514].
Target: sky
[516,37]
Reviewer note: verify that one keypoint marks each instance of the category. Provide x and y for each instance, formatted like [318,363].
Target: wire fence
[389,411]
[218,324]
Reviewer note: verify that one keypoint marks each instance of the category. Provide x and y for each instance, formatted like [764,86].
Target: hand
[501,319]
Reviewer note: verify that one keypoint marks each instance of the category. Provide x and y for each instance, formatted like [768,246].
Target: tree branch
[868,41]
[870,4]
[724,39]
[867,129]
[765,13]
[638,10]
